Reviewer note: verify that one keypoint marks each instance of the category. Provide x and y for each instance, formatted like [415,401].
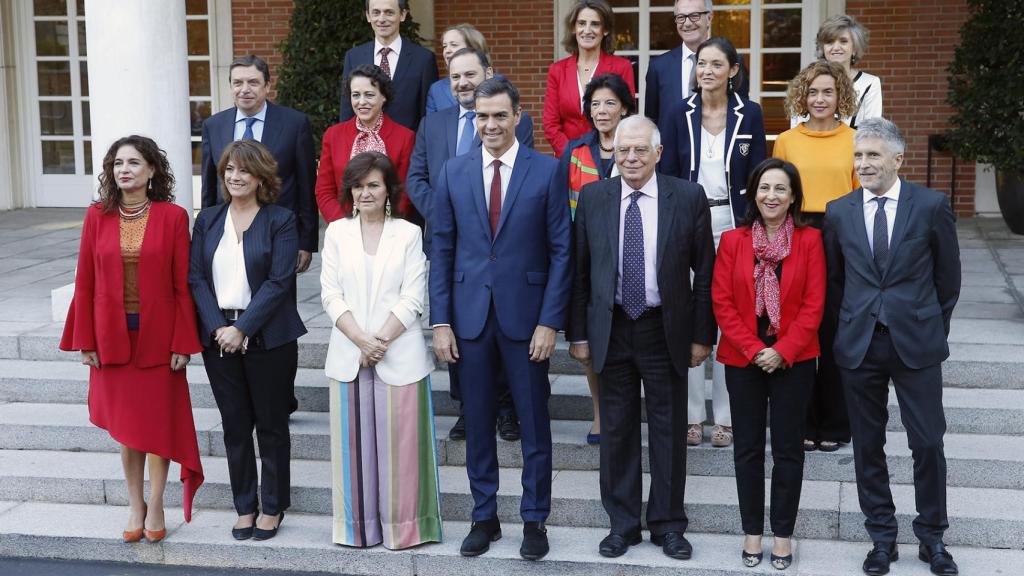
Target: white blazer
[399,288]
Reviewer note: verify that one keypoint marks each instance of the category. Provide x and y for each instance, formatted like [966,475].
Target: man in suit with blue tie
[443,135]
[636,317]
[893,280]
[499,292]
[412,67]
[286,133]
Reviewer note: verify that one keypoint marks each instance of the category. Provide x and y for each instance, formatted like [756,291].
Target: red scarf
[368,139]
[768,254]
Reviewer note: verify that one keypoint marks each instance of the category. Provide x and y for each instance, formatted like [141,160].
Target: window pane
[54,78]
[198,34]
[663,31]
[624,3]
[777,70]
[197,158]
[51,38]
[81,38]
[49,7]
[199,111]
[734,25]
[87,150]
[195,7]
[55,119]
[627,30]
[775,119]
[80,8]
[662,2]
[735,3]
[198,78]
[83,69]
[782,28]
[58,157]
[86,119]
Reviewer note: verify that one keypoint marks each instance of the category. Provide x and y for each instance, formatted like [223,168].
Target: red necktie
[494,211]
[385,65]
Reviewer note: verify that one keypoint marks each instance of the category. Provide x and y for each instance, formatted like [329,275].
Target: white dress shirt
[870,207]
[688,65]
[508,160]
[396,49]
[648,205]
[257,127]
[230,282]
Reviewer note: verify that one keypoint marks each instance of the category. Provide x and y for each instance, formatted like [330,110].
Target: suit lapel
[384,249]
[733,119]
[666,216]
[355,238]
[787,275]
[904,207]
[855,208]
[515,183]
[610,220]
[474,174]
[675,76]
[746,261]
[403,61]
[693,123]
[272,128]
[451,134]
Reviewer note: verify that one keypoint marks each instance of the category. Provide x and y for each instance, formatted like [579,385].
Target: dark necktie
[384,64]
[466,137]
[880,238]
[248,135]
[494,209]
[634,287]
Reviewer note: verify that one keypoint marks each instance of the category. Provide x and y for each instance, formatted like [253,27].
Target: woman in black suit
[242,273]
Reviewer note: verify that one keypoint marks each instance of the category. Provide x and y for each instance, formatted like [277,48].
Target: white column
[138,80]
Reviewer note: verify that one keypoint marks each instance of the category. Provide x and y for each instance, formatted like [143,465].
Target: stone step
[970,365]
[968,410]
[92,532]
[985,517]
[973,460]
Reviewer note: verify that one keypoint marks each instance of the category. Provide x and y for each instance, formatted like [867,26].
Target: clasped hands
[542,344]
[230,340]
[769,360]
[372,350]
[92,359]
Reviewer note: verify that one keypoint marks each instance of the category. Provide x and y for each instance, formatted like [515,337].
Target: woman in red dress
[133,320]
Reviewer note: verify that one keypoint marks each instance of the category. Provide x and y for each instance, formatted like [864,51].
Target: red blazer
[167,318]
[563,118]
[802,295]
[334,155]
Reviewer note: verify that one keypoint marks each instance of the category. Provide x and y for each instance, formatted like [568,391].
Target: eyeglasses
[693,17]
[640,151]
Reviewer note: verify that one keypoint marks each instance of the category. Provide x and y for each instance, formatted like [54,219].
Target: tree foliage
[986,85]
[314,53]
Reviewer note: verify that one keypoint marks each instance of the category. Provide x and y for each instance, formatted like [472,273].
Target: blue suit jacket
[287,134]
[412,77]
[918,287]
[269,244]
[665,84]
[744,145]
[524,269]
[440,96]
[435,143]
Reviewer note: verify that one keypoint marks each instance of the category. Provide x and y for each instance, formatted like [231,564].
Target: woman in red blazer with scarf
[589,36]
[768,292]
[133,320]
[369,89]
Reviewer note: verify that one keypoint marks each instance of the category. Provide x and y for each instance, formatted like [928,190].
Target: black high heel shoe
[781,562]
[246,532]
[259,534]
[751,559]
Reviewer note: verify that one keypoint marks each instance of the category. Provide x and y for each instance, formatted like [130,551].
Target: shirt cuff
[440,325]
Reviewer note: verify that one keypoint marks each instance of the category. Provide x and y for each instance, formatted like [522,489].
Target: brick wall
[521,38]
[260,26]
[911,44]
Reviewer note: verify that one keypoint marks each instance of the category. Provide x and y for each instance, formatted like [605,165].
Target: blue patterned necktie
[248,135]
[466,137]
[880,237]
[634,288]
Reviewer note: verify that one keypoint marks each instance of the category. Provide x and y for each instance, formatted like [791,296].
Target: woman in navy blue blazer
[715,138]
[242,273]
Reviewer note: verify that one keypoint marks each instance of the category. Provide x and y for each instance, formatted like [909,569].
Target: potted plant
[986,91]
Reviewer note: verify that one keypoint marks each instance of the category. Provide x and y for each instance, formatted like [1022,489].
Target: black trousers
[752,393]
[827,417]
[254,390]
[919,393]
[638,352]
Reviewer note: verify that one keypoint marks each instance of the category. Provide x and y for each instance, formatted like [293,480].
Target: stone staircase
[62,493]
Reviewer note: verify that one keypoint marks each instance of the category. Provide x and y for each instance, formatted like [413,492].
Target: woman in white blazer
[373,280]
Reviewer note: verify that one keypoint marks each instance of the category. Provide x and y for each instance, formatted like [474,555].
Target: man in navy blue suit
[499,292]
[443,135]
[670,75]
[412,67]
[893,280]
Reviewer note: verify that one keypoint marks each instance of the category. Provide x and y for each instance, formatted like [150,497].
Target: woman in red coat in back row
[133,320]
[371,129]
[589,37]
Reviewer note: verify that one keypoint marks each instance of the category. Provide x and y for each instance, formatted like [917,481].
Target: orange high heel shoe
[154,536]
[130,536]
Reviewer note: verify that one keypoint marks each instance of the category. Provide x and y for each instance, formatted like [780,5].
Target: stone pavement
[62,494]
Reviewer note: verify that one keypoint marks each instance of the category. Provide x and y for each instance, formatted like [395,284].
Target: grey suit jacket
[684,243]
[917,289]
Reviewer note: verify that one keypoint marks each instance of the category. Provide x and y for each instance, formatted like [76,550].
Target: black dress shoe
[878,560]
[508,428]
[260,534]
[673,544]
[535,541]
[458,431]
[293,405]
[480,537]
[615,545]
[243,533]
[940,560]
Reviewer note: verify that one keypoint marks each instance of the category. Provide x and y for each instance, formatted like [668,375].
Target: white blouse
[711,174]
[230,282]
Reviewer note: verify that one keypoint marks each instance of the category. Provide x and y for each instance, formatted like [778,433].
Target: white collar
[261,115]
[508,158]
[463,110]
[650,188]
[395,46]
[893,193]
